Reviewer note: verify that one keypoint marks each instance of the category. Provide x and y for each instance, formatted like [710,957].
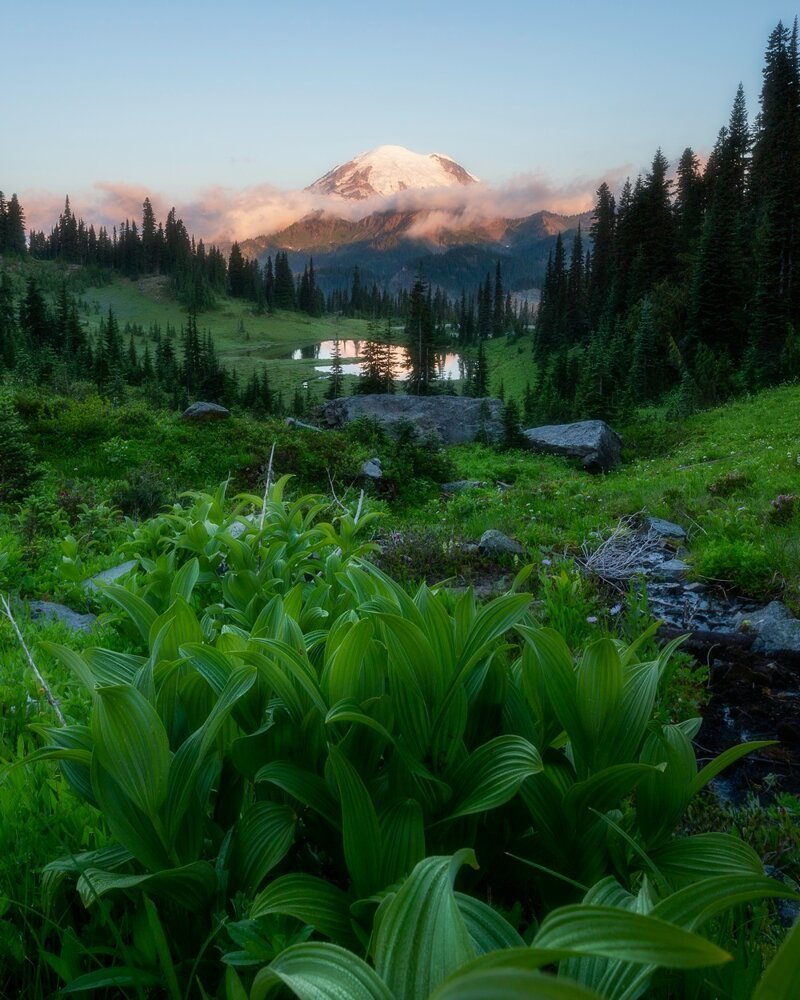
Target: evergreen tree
[602,232]
[498,307]
[18,465]
[419,338]
[336,376]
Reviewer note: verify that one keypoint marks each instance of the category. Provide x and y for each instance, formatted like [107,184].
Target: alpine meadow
[400,575]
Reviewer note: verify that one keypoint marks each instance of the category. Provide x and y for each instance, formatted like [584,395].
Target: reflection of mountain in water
[448,365]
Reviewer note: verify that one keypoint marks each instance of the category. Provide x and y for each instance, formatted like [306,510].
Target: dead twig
[54,703]
[267,482]
[620,556]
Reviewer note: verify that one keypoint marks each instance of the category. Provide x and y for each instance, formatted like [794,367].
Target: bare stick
[336,500]
[266,489]
[619,557]
[358,509]
[42,682]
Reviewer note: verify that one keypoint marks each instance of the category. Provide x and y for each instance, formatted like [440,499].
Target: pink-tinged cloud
[221,214]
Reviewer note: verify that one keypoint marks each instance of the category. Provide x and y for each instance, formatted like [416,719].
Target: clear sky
[181,97]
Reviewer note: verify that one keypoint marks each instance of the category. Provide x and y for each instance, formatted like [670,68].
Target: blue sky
[179,97]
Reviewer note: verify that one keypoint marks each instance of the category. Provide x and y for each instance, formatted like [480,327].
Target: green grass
[682,472]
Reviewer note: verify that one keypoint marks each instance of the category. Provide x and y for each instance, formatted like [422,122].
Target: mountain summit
[389,169]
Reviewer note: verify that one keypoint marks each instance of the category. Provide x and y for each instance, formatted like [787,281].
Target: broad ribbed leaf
[361,833]
[311,900]
[138,610]
[114,977]
[781,981]
[560,680]
[421,937]
[603,790]
[689,859]
[176,627]
[403,836]
[487,928]
[131,744]
[190,887]
[320,971]
[264,835]
[184,581]
[693,905]
[630,937]
[299,668]
[511,984]
[305,786]
[73,661]
[725,759]
[599,694]
[344,667]
[134,829]
[492,774]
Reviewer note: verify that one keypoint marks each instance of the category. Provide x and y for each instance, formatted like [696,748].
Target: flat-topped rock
[452,419]
[495,543]
[371,469]
[592,441]
[666,529]
[201,412]
[60,612]
[95,583]
[777,631]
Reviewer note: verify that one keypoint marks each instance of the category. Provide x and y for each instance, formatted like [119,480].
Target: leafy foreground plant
[299,758]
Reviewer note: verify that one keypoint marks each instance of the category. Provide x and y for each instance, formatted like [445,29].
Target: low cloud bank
[221,214]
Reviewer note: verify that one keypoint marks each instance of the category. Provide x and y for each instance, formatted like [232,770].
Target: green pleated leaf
[630,937]
[299,667]
[361,833]
[134,829]
[492,774]
[511,984]
[190,886]
[184,581]
[311,900]
[73,661]
[488,929]
[725,759]
[320,971]
[138,610]
[116,976]
[176,627]
[264,835]
[599,691]
[689,859]
[194,752]
[560,680]
[693,905]
[781,981]
[131,744]
[403,837]
[421,937]
[604,790]
[304,786]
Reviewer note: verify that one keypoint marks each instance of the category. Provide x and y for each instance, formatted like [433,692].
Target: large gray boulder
[60,612]
[777,631]
[453,419]
[593,441]
[201,412]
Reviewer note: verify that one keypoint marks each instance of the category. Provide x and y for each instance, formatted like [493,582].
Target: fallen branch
[54,703]
[619,557]
[267,482]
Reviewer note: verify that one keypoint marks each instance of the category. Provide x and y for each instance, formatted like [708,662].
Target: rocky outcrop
[96,583]
[495,543]
[777,632]
[592,441]
[60,612]
[202,412]
[452,419]
[372,470]
[666,529]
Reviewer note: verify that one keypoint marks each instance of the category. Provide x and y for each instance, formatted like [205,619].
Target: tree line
[689,286]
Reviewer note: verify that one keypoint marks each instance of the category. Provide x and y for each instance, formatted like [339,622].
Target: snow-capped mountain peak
[389,169]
